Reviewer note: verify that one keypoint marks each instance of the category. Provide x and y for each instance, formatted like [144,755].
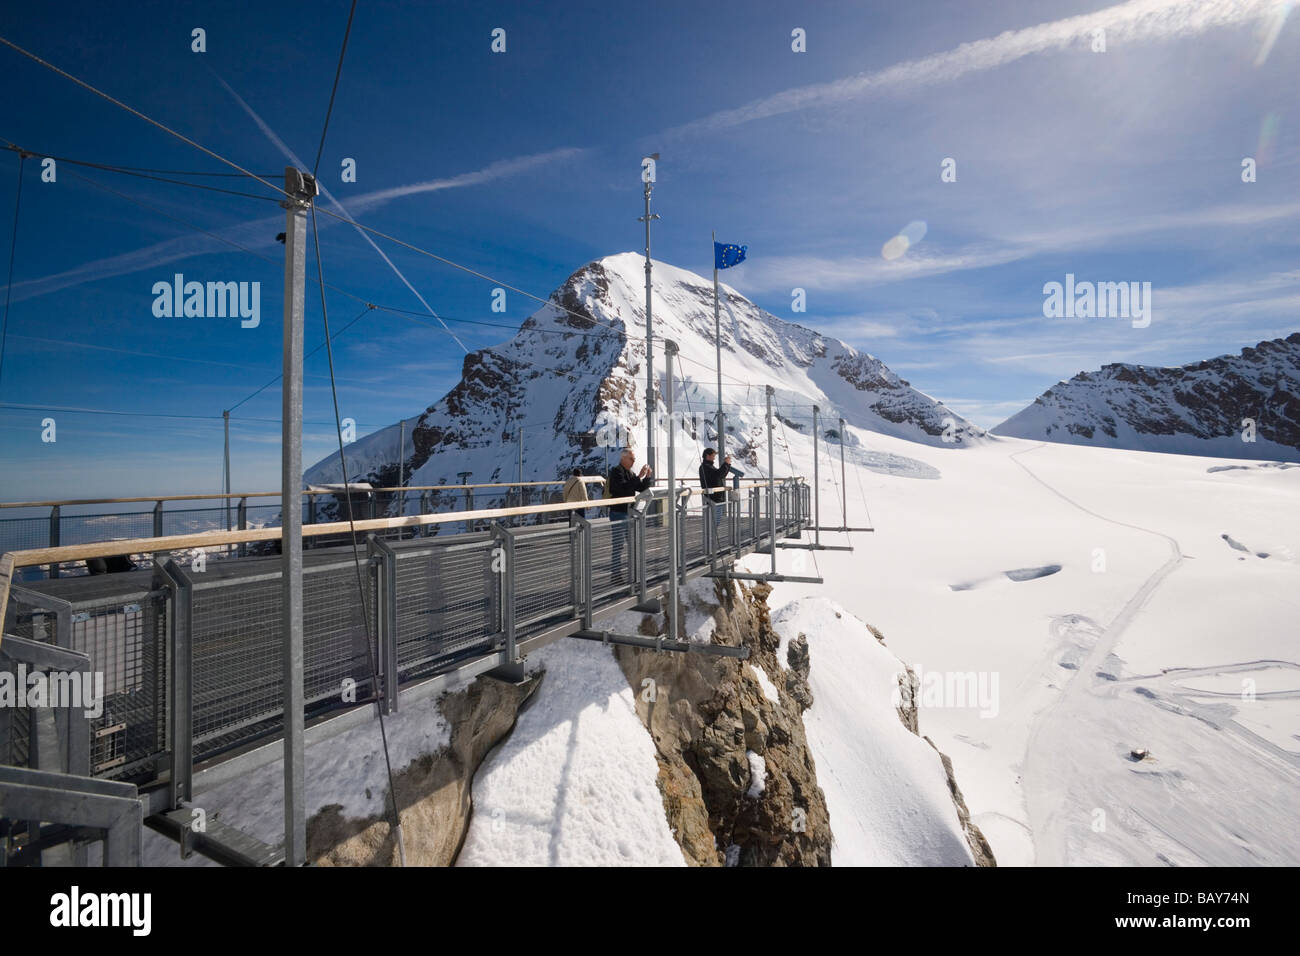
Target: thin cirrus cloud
[1133,22]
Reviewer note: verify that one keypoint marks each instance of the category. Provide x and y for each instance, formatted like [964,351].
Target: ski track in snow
[1075,747]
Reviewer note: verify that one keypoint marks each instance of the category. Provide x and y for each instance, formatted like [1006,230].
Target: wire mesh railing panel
[198,520]
[544,565]
[24,620]
[24,534]
[15,750]
[694,545]
[720,519]
[741,531]
[34,624]
[656,549]
[337,638]
[86,529]
[126,644]
[445,603]
[236,650]
[611,556]
[260,516]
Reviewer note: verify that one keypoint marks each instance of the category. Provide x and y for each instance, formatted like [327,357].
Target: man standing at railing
[711,476]
[623,484]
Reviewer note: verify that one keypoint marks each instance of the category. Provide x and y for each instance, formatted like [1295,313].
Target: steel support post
[584,544]
[300,189]
[401,468]
[640,552]
[384,560]
[180,700]
[55,527]
[771,477]
[717,345]
[817,506]
[844,485]
[648,178]
[683,517]
[225,416]
[670,619]
[575,562]
[506,542]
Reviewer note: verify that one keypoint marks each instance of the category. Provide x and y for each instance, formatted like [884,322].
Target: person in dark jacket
[711,476]
[622,483]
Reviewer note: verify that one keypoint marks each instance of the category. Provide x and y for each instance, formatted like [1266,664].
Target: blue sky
[1122,165]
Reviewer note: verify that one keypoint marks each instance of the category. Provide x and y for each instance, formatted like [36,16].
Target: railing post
[683,514]
[771,479]
[158,520]
[55,528]
[510,664]
[575,562]
[710,546]
[640,552]
[241,515]
[585,569]
[78,725]
[384,561]
[754,498]
[180,699]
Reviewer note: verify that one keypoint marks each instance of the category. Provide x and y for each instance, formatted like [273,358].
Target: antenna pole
[817,500]
[771,480]
[301,189]
[648,178]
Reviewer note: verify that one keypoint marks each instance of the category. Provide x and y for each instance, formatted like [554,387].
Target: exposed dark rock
[434,792]
[708,715]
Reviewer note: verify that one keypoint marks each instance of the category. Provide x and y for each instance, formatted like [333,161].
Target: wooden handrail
[222,496]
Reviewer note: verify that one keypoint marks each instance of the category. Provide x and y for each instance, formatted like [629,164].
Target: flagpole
[717,341]
[648,178]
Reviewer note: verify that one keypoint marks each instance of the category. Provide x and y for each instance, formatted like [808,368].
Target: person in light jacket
[575,490]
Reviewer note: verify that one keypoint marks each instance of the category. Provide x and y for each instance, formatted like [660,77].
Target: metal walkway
[192,664]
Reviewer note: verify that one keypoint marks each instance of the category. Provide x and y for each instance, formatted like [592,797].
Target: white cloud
[1136,21]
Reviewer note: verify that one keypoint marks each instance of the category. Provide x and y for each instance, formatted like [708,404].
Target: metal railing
[170,515]
[92,520]
[192,659]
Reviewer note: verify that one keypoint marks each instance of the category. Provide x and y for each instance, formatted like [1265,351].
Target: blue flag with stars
[727,254]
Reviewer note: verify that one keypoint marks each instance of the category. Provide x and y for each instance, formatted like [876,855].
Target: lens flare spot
[1271,31]
[914,231]
[895,248]
[1267,137]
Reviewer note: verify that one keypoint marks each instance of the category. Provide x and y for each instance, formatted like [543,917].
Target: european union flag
[726,255]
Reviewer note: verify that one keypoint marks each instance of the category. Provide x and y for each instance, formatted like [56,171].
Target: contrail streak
[1126,23]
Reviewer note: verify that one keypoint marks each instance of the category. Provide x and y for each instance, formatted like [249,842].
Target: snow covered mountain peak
[1233,406]
[576,370]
